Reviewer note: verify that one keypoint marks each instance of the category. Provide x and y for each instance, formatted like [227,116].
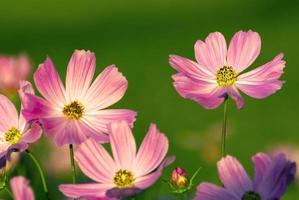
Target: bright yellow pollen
[226,76]
[12,136]
[124,179]
[74,110]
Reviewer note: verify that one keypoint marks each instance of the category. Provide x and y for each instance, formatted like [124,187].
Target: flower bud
[179,178]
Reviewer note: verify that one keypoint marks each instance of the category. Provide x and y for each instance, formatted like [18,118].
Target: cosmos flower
[12,71]
[15,131]
[271,179]
[217,73]
[128,172]
[21,189]
[70,115]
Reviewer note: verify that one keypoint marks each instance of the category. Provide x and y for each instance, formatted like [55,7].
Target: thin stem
[223,143]
[74,176]
[41,173]
[8,192]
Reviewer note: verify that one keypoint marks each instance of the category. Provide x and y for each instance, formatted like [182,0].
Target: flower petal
[236,96]
[49,83]
[146,181]
[8,113]
[277,177]
[79,74]
[33,134]
[211,53]
[190,68]
[208,94]
[84,190]
[95,162]
[261,163]
[21,189]
[98,121]
[151,152]
[208,191]
[262,81]
[122,144]
[243,49]
[108,88]
[234,176]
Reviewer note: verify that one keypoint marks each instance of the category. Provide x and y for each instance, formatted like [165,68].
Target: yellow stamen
[226,76]
[124,179]
[74,110]
[12,136]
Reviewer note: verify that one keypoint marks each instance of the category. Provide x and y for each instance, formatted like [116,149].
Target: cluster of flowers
[76,114]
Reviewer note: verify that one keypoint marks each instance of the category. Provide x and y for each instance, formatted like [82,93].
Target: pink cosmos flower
[129,172]
[72,114]
[271,179]
[15,131]
[12,71]
[218,70]
[21,189]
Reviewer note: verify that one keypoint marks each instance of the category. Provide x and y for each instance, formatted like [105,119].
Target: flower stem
[74,176]
[223,143]
[41,173]
[8,192]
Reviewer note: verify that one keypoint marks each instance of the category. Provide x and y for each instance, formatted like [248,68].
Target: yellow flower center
[73,110]
[12,136]
[226,76]
[124,179]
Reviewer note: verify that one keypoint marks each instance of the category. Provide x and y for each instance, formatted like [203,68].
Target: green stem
[41,173]
[223,143]
[73,163]
[8,192]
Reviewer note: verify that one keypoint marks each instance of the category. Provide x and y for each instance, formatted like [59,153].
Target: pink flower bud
[179,178]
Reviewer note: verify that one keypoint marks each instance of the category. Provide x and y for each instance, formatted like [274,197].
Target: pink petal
[84,190]
[151,152]
[8,114]
[64,131]
[146,181]
[236,96]
[35,107]
[24,66]
[233,176]
[49,83]
[208,94]
[122,144]
[261,163]
[99,120]
[262,81]
[190,68]
[33,134]
[207,191]
[21,189]
[108,88]
[211,53]
[243,49]
[79,74]
[95,162]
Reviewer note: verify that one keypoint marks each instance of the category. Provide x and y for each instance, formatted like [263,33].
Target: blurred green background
[138,36]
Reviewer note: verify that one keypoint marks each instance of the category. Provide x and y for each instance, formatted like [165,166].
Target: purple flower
[271,179]
[128,172]
[218,71]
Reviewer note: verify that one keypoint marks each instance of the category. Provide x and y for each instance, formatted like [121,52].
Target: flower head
[271,179]
[12,71]
[128,172]
[15,131]
[179,178]
[73,113]
[218,72]
[21,189]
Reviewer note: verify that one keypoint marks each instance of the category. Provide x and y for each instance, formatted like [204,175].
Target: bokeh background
[138,36]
